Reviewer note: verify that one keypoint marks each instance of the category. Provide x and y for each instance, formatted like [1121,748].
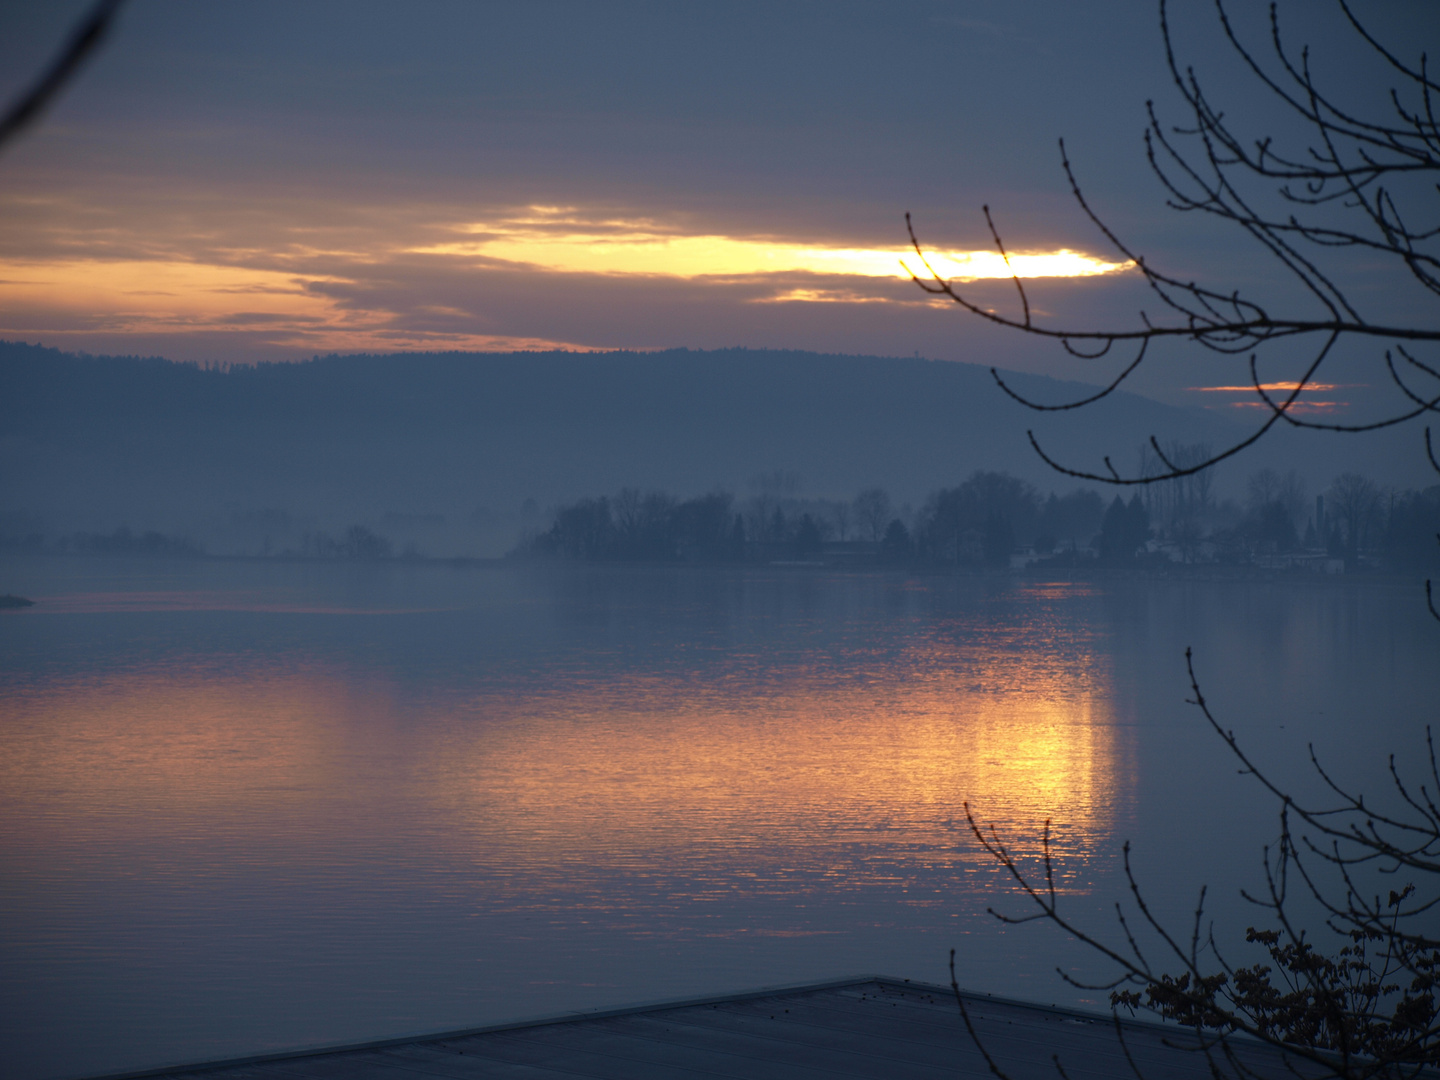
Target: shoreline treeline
[996,520]
[992,519]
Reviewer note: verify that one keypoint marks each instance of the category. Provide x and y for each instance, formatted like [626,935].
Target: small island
[9,601]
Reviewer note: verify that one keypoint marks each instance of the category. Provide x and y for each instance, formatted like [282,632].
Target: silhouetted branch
[1423,857]
[85,39]
[1201,166]
[1083,401]
[995,1069]
[1371,1010]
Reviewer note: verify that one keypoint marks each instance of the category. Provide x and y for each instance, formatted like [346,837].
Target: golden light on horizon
[1295,407]
[1268,387]
[403,285]
[557,240]
[176,296]
[1300,405]
[154,288]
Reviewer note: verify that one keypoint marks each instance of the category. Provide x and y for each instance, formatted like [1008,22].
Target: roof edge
[581,1015]
[569,1017]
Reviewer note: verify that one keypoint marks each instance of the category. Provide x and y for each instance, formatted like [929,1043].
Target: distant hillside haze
[460,453]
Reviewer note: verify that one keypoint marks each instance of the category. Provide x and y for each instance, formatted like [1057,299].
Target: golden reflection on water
[793,777]
[182,738]
[838,772]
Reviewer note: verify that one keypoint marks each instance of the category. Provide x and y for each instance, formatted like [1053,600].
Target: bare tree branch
[1372,1009]
[84,41]
[1205,167]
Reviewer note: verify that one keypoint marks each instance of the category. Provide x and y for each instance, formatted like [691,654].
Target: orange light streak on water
[826,777]
[801,783]
[183,741]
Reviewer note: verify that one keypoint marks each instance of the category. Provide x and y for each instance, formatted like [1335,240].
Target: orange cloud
[561,239]
[1283,387]
[304,278]
[1296,407]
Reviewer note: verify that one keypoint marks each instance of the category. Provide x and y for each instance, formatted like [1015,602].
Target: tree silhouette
[1375,175]
[1355,503]
[1124,530]
[872,511]
[1370,1010]
[1362,192]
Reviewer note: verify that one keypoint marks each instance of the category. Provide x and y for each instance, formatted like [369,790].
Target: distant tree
[315,545]
[1139,521]
[1411,528]
[1355,503]
[896,546]
[1124,530]
[628,516]
[1292,496]
[701,527]
[1273,505]
[1262,488]
[125,542]
[807,537]
[1267,487]
[655,527]
[1271,528]
[1178,504]
[1011,503]
[978,521]
[363,543]
[840,511]
[647,529]
[583,530]
[776,527]
[1074,518]
[769,490]
[824,521]
[999,541]
[872,511]
[737,537]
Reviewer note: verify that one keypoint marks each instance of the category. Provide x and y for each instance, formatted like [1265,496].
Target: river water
[247,806]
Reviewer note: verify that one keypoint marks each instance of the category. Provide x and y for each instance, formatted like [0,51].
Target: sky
[271,181]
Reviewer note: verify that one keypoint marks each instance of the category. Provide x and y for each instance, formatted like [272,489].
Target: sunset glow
[155,290]
[1268,387]
[410,281]
[1295,407]
[1300,405]
[557,240]
[173,296]
[513,511]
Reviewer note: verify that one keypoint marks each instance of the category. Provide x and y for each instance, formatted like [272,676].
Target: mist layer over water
[248,806]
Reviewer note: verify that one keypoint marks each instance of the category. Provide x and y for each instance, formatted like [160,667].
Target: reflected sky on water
[247,806]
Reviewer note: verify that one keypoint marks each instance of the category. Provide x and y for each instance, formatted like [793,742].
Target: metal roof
[872,1027]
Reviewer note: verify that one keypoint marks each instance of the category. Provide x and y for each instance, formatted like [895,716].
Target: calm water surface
[249,806]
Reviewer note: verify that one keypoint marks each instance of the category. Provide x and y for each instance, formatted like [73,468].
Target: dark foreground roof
[876,1028]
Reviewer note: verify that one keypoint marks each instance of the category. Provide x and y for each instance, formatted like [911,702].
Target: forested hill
[478,442]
